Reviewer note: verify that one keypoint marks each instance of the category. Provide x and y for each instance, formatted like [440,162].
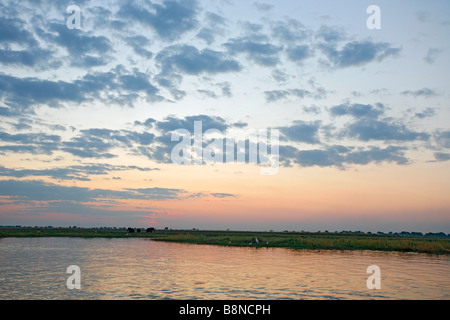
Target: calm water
[35,268]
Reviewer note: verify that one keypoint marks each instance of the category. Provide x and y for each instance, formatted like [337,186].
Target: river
[36,268]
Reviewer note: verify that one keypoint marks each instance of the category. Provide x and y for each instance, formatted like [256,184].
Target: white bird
[256,240]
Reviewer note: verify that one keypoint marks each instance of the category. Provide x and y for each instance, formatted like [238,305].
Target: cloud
[170,20]
[207,34]
[280,76]
[96,143]
[341,156]
[89,146]
[289,31]
[258,49]
[8,112]
[189,60]
[428,112]
[367,129]
[147,123]
[36,143]
[115,86]
[425,92]
[358,110]
[207,93]
[214,26]
[240,124]
[171,123]
[14,31]
[35,57]
[440,156]
[432,55]
[21,126]
[330,34]
[250,27]
[23,92]
[226,88]
[311,109]
[41,194]
[25,149]
[223,195]
[423,16]
[83,49]
[160,149]
[35,190]
[357,53]
[137,81]
[443,139]
[264,7]
[20,48]
[299,53]
[275,95]
[139,44]
[158,193]
[76,172]
[377,155]
[301,131]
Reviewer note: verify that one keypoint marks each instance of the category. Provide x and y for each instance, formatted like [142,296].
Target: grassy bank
[321,241]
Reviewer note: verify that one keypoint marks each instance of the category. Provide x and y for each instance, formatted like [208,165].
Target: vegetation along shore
[434,243]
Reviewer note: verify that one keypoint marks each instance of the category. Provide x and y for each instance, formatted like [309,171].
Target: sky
[89,104]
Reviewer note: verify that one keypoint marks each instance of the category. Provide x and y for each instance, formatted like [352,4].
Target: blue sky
[90,111]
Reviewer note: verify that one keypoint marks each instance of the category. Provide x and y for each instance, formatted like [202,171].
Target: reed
[294,240]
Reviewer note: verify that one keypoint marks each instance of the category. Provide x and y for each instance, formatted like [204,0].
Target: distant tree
[138,230]
[148,230]
[130,230]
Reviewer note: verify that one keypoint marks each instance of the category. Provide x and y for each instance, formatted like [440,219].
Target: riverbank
[294,240]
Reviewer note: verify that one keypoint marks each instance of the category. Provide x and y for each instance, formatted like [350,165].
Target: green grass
[319,241]
[310,241]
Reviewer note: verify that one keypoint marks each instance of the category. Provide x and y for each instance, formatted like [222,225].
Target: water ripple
[35,268]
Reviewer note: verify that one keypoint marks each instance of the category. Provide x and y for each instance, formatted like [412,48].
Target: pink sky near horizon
[366,198]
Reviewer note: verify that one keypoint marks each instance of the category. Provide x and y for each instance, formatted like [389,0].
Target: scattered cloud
[341,156]
[432,55]
[425,92]
[440,156]
[75,172]
[170,20]
[428,112]
[264,7]
[301,131]
[189,60]
[423,16]
[258,48]
[358,110]
[357,53]
[275,95]
[368,129]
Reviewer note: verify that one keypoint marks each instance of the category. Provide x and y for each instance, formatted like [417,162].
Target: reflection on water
[35,268]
